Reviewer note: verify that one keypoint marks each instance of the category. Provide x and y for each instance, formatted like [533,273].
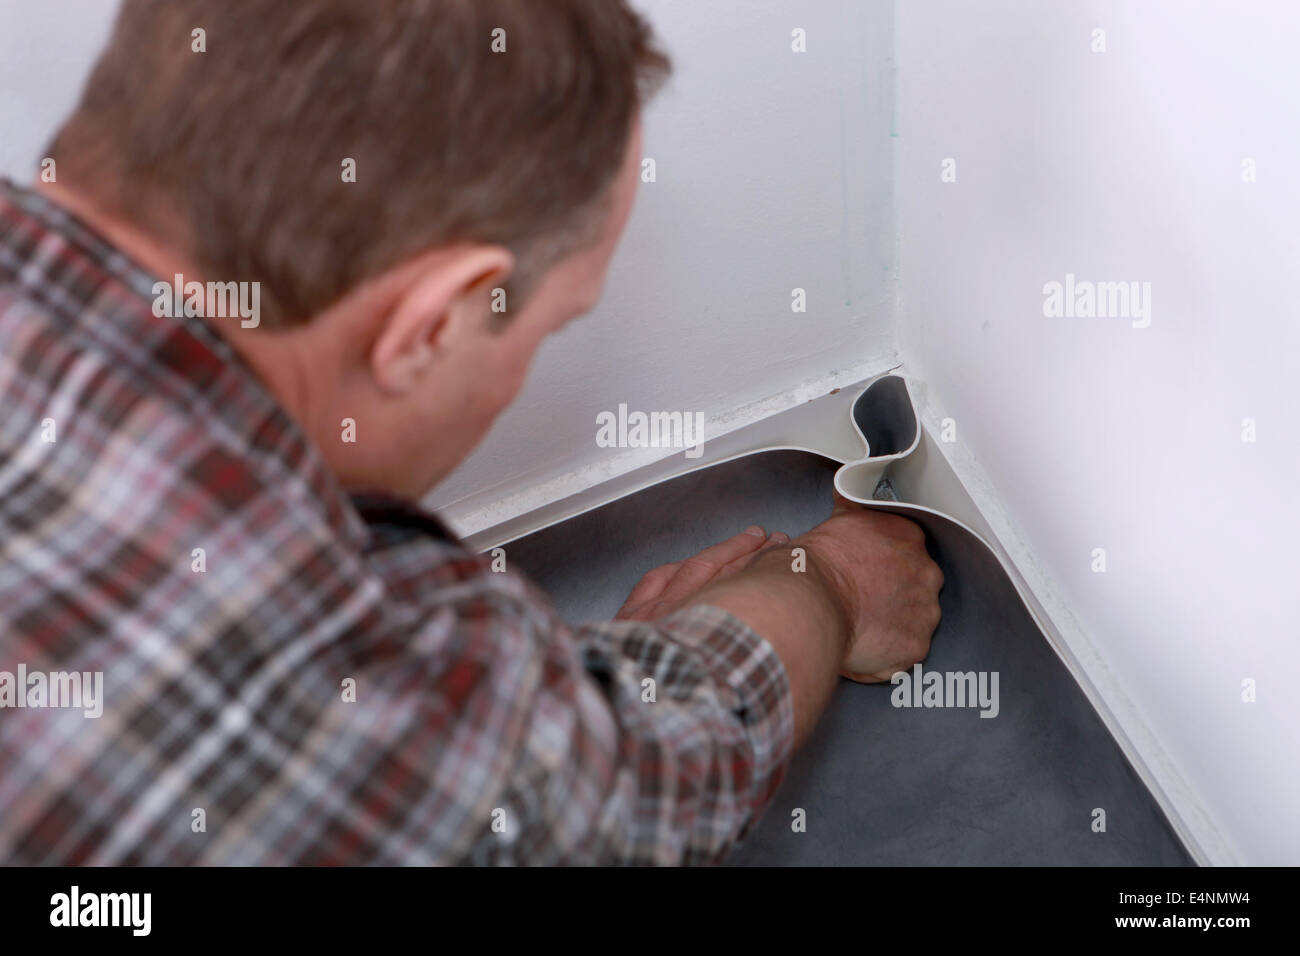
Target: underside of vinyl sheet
[907,784]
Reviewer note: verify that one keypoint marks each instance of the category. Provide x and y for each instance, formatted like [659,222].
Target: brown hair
[236,154]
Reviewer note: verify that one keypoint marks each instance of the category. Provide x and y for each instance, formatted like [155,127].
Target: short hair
[493,121]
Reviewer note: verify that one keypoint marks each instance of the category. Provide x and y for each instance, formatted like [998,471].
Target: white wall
[774,173]
[46,49]
[1126,165]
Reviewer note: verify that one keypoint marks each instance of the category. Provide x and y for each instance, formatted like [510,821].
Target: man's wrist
[819,574]
[831,584]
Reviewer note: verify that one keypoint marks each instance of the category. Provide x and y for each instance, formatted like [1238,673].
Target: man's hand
[864,606]
[667,588]
[887,584]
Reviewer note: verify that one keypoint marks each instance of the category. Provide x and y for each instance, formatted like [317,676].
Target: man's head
[393,175]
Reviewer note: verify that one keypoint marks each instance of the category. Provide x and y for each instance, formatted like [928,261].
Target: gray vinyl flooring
[881,784]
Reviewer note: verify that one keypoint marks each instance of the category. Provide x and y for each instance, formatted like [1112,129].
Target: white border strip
[1204,839]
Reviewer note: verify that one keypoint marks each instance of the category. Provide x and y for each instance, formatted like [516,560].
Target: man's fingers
[669,583]
[745,560]
[887,522]
[695,572]
[879,677]
[648,588]
[841,504]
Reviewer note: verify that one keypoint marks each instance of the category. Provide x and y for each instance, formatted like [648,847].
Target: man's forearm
[799,613]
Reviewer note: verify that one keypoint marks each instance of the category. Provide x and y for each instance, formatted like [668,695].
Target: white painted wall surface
[1127,165]
[46,49]
[774,173]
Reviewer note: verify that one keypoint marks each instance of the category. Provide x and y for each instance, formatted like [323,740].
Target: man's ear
[448,299]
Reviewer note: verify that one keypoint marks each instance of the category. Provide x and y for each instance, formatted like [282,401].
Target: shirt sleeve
[306,703]
[646,743]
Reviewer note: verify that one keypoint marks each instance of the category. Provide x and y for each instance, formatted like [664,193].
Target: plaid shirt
[483,729]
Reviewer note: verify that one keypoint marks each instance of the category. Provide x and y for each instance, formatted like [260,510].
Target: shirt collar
[67,266]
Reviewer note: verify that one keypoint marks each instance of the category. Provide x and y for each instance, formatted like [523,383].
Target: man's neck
[153,256]
[273,360]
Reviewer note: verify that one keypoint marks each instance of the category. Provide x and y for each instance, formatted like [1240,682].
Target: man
[205,497]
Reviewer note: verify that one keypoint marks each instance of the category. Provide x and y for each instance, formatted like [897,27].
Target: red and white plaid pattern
[223,689]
